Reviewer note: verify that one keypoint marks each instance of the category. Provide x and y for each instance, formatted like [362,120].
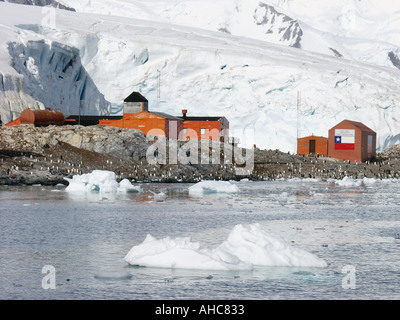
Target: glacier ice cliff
[51,75]
[13,99]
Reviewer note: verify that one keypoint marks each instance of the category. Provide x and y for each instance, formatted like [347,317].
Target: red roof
[16,122]
[358,125]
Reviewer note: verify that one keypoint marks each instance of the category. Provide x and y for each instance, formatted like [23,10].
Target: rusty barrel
[42,117]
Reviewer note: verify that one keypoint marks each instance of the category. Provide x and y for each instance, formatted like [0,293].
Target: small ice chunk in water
[99,181]
[349,182]
[126,186]
[213,187]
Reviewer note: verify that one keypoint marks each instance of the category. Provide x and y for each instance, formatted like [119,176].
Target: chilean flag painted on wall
[344,139]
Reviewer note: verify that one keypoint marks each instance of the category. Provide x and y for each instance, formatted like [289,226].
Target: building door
[370,141]
[312,146]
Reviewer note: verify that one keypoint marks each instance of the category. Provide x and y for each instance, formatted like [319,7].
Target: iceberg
[100,181]
[245,248]
[213,187]
[181,253]
[254,245]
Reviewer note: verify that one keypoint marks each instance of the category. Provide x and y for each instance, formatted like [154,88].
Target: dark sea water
[79,241]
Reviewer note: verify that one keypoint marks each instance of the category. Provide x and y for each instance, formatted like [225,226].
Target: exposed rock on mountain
[287,29]
[394,59]
[41,3]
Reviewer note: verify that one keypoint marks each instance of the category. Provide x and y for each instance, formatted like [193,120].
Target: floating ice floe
[350,182]
[245,248]
[126,186]
[159,196]
[99,181]
[213,187]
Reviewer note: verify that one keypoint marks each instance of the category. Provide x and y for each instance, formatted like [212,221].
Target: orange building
[353,141]
[135,103]
[205,128]
[150,123]
[312,145]
[136,115]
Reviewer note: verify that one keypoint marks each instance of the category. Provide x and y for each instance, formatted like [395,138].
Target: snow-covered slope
[253,83]
[41,3]
[364,30]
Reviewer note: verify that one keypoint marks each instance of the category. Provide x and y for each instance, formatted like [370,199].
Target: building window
[202,131]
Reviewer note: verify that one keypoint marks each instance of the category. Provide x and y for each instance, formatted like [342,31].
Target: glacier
[243,69]
[366,30]
[41,3]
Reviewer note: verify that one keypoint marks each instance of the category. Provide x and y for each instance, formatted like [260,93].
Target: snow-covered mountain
[363,30]
[41,3]
[247,60]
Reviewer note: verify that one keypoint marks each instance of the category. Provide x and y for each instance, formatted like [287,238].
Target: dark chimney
[184,112]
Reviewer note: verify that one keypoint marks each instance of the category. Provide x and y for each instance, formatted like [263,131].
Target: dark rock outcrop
[41,3]
[394,59]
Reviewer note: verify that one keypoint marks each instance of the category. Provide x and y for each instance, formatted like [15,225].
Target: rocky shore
[46,155]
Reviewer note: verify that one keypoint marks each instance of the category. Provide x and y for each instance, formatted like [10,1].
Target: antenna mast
[159,85]
[298,112]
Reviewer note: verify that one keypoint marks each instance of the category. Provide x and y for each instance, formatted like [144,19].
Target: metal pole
[298,112]
[159,84]
[79,117]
